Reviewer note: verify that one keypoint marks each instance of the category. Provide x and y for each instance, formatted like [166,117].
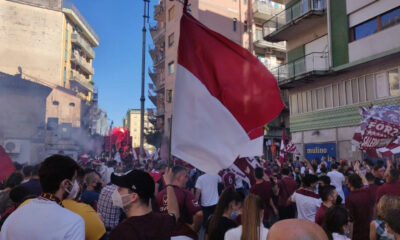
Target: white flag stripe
[205,134]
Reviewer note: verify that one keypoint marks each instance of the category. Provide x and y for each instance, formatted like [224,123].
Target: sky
[117,63]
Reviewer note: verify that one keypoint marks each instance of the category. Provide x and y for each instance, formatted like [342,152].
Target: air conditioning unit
[12,146]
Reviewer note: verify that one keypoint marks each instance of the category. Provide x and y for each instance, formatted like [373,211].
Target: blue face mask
[234,215]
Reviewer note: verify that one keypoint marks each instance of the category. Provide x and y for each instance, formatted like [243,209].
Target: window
[349,98]
[314,99]
[171,67]
[171,40]
[171,13]
[244,1]
[300,102]
[245,26]
[361,88]
[335,89]
[369,87]
[354,89]
[234,24]
[394,88]
[309,101]
[169,96]
[390,18]
[365,29]
[342,94]
[320,99]
[293,104]
[375,24]
[328,97]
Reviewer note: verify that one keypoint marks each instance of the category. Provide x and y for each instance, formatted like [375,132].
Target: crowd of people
[296,199]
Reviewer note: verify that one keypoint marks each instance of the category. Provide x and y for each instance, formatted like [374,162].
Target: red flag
[223,98]
[282,152]
[6,165]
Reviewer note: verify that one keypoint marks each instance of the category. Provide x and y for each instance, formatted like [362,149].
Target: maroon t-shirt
[229,179]
[320,215]
[152,226]
[287,186]
[360,206]
[388,189]
[264,191]
[373,188]
[187,208]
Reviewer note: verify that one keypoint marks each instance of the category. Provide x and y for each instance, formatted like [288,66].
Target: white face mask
[117,199]
[74,191]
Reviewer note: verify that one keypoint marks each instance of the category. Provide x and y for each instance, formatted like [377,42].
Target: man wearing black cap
[133,194]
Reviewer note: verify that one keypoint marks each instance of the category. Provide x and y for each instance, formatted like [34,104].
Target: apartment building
[50,43]
[341,55]
[132,122]
[230,18]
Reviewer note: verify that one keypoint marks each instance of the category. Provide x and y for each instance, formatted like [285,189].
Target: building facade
[341,55]
[50,43]
[132,122]
[229,18]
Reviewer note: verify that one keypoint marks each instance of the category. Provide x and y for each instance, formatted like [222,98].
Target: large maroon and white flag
[223,98]
[379,132]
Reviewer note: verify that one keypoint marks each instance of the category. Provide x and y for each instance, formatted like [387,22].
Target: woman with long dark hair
[336,223]
[252,227]
[227,209]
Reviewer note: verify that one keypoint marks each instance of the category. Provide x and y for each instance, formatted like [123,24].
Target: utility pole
[142,98]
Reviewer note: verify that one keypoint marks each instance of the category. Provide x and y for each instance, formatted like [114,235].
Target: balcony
[303,69]
[264,10]
[293,21]
[268,64]
[153,75]
[85,66]
[77,78]
[75,15]
[77,39]
[157,33]
[152,97]
[159,11]
[159,59]
[261,43]
[153,52]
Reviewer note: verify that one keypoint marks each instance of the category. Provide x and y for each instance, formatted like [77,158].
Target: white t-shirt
[208,185]
[236,233]
[307,203]
[43,220]
[337,179]
[337,236]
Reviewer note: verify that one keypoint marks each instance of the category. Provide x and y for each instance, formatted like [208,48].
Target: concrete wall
[50,4]
[379,42]
[31,38]
[308,36]
[64,111]
[355,5]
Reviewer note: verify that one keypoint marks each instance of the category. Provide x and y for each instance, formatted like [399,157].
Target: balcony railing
[157,33]
[159,10]
[77,59]
[70,5]
[160,58]
[152,97]
[291,14]
[265,9]
[260,42]
[76,38]
[76,77]
[313,62]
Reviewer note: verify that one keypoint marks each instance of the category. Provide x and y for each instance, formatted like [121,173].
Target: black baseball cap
[138,181]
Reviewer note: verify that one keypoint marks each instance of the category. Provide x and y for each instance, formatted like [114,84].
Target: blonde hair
[251,217]
[386,204]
